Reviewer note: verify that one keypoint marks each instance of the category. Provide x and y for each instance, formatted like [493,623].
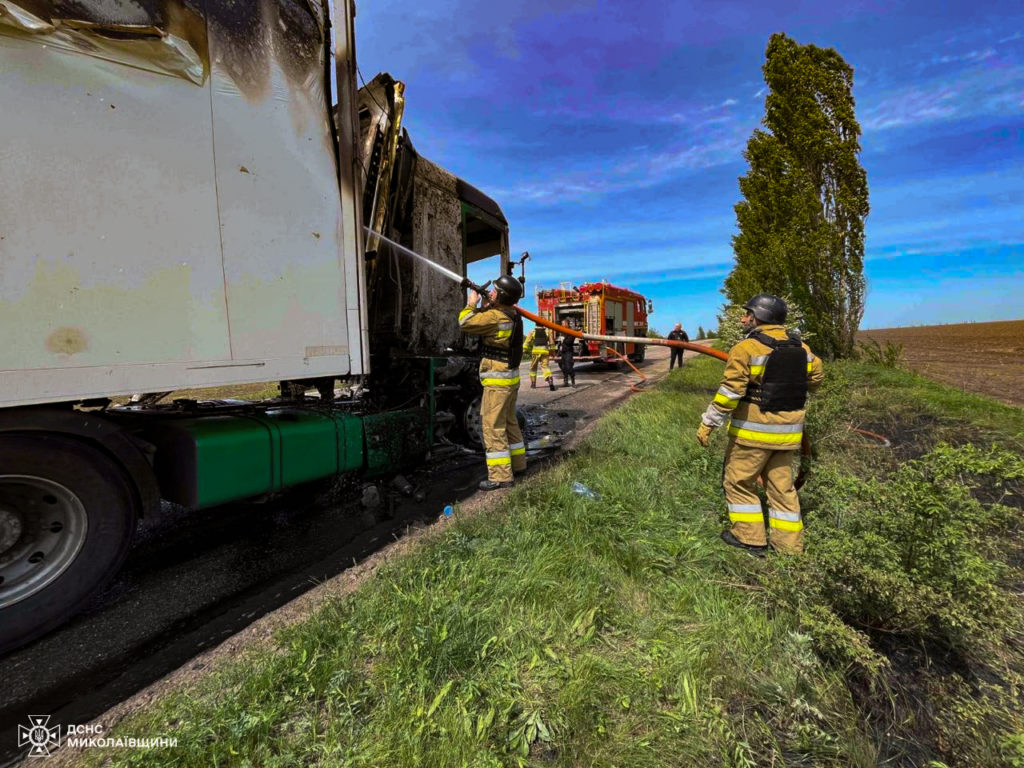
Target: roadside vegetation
[563,629]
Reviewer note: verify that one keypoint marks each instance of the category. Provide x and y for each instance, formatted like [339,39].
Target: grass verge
[556,629]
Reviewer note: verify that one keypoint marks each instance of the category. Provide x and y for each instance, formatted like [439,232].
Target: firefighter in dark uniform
[764,391]
[502,330]
[567,359]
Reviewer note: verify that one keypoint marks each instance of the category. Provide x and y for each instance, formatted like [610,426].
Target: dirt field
[987,358]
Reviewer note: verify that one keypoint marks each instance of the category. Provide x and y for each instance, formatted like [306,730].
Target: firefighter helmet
[509,289]
[767,308]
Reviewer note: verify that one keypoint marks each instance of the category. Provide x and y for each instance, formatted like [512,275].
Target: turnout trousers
[743,466]
[539,360]
[503,440]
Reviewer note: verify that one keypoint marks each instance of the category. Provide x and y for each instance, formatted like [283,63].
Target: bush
[915,555]
[889,356]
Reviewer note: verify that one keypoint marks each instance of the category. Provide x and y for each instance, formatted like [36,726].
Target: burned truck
[184,206]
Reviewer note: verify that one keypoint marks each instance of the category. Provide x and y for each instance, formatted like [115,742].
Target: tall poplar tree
[801,222]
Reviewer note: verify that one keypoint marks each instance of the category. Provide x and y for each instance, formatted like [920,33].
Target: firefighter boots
[533,383]
[491,485]
[732,541]
[551,383]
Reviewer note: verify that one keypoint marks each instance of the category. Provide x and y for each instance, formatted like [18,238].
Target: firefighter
[502,330]
[538,345]
[764,390]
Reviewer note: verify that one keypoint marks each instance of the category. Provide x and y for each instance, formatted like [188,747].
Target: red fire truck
[598,308]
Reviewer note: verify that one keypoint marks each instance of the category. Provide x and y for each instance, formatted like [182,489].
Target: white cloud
[632,171]
[988,53]
[976,90]
[721,105]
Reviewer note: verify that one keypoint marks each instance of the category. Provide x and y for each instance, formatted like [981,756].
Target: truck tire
[473,423]
[67,515]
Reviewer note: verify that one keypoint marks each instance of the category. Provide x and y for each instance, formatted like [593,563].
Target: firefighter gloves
[704,434]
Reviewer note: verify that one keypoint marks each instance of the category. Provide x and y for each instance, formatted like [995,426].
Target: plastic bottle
[582,490]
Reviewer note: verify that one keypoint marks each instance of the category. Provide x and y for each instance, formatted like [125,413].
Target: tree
[801,222]
[700,333]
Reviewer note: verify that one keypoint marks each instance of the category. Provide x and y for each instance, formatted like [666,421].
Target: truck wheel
[66,521]
[472,423]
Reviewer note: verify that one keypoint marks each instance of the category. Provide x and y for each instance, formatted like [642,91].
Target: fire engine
[601,309]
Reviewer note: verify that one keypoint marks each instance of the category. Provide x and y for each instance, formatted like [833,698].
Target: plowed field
[987,358]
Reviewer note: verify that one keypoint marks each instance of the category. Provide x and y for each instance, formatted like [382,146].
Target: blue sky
[611,133]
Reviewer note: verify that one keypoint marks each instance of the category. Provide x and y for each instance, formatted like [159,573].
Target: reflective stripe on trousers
[497,458]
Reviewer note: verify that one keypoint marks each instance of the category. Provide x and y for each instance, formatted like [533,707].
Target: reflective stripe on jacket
[778,430]
[496,329]
[528,345]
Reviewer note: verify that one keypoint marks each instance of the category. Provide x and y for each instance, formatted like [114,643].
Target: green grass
[560,630]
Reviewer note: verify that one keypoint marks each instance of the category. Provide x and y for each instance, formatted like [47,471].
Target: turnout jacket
[536,349]
[496,329]
[750,426]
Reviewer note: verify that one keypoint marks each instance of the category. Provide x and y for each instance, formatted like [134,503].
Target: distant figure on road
[567,359]
[677,334]
[764,391]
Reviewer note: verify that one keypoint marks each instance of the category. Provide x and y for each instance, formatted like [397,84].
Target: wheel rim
[474,422]
[43,526]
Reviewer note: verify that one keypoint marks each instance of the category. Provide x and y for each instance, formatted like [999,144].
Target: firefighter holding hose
[502,350]
[764,391]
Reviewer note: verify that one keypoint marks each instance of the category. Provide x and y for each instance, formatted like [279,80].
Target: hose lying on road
[635,387]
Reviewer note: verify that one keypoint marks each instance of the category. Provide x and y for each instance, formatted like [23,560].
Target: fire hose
[805,444]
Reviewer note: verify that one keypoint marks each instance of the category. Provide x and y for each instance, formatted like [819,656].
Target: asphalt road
[195,578]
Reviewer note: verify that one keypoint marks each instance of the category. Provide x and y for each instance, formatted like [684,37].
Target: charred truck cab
[200,224]
[601,309]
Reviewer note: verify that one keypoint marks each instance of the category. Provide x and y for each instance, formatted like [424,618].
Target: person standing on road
[502,330]
[677,334]
[567,359]
[537,344]
[764,391]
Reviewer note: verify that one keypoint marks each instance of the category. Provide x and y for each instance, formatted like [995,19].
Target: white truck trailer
[182,206]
